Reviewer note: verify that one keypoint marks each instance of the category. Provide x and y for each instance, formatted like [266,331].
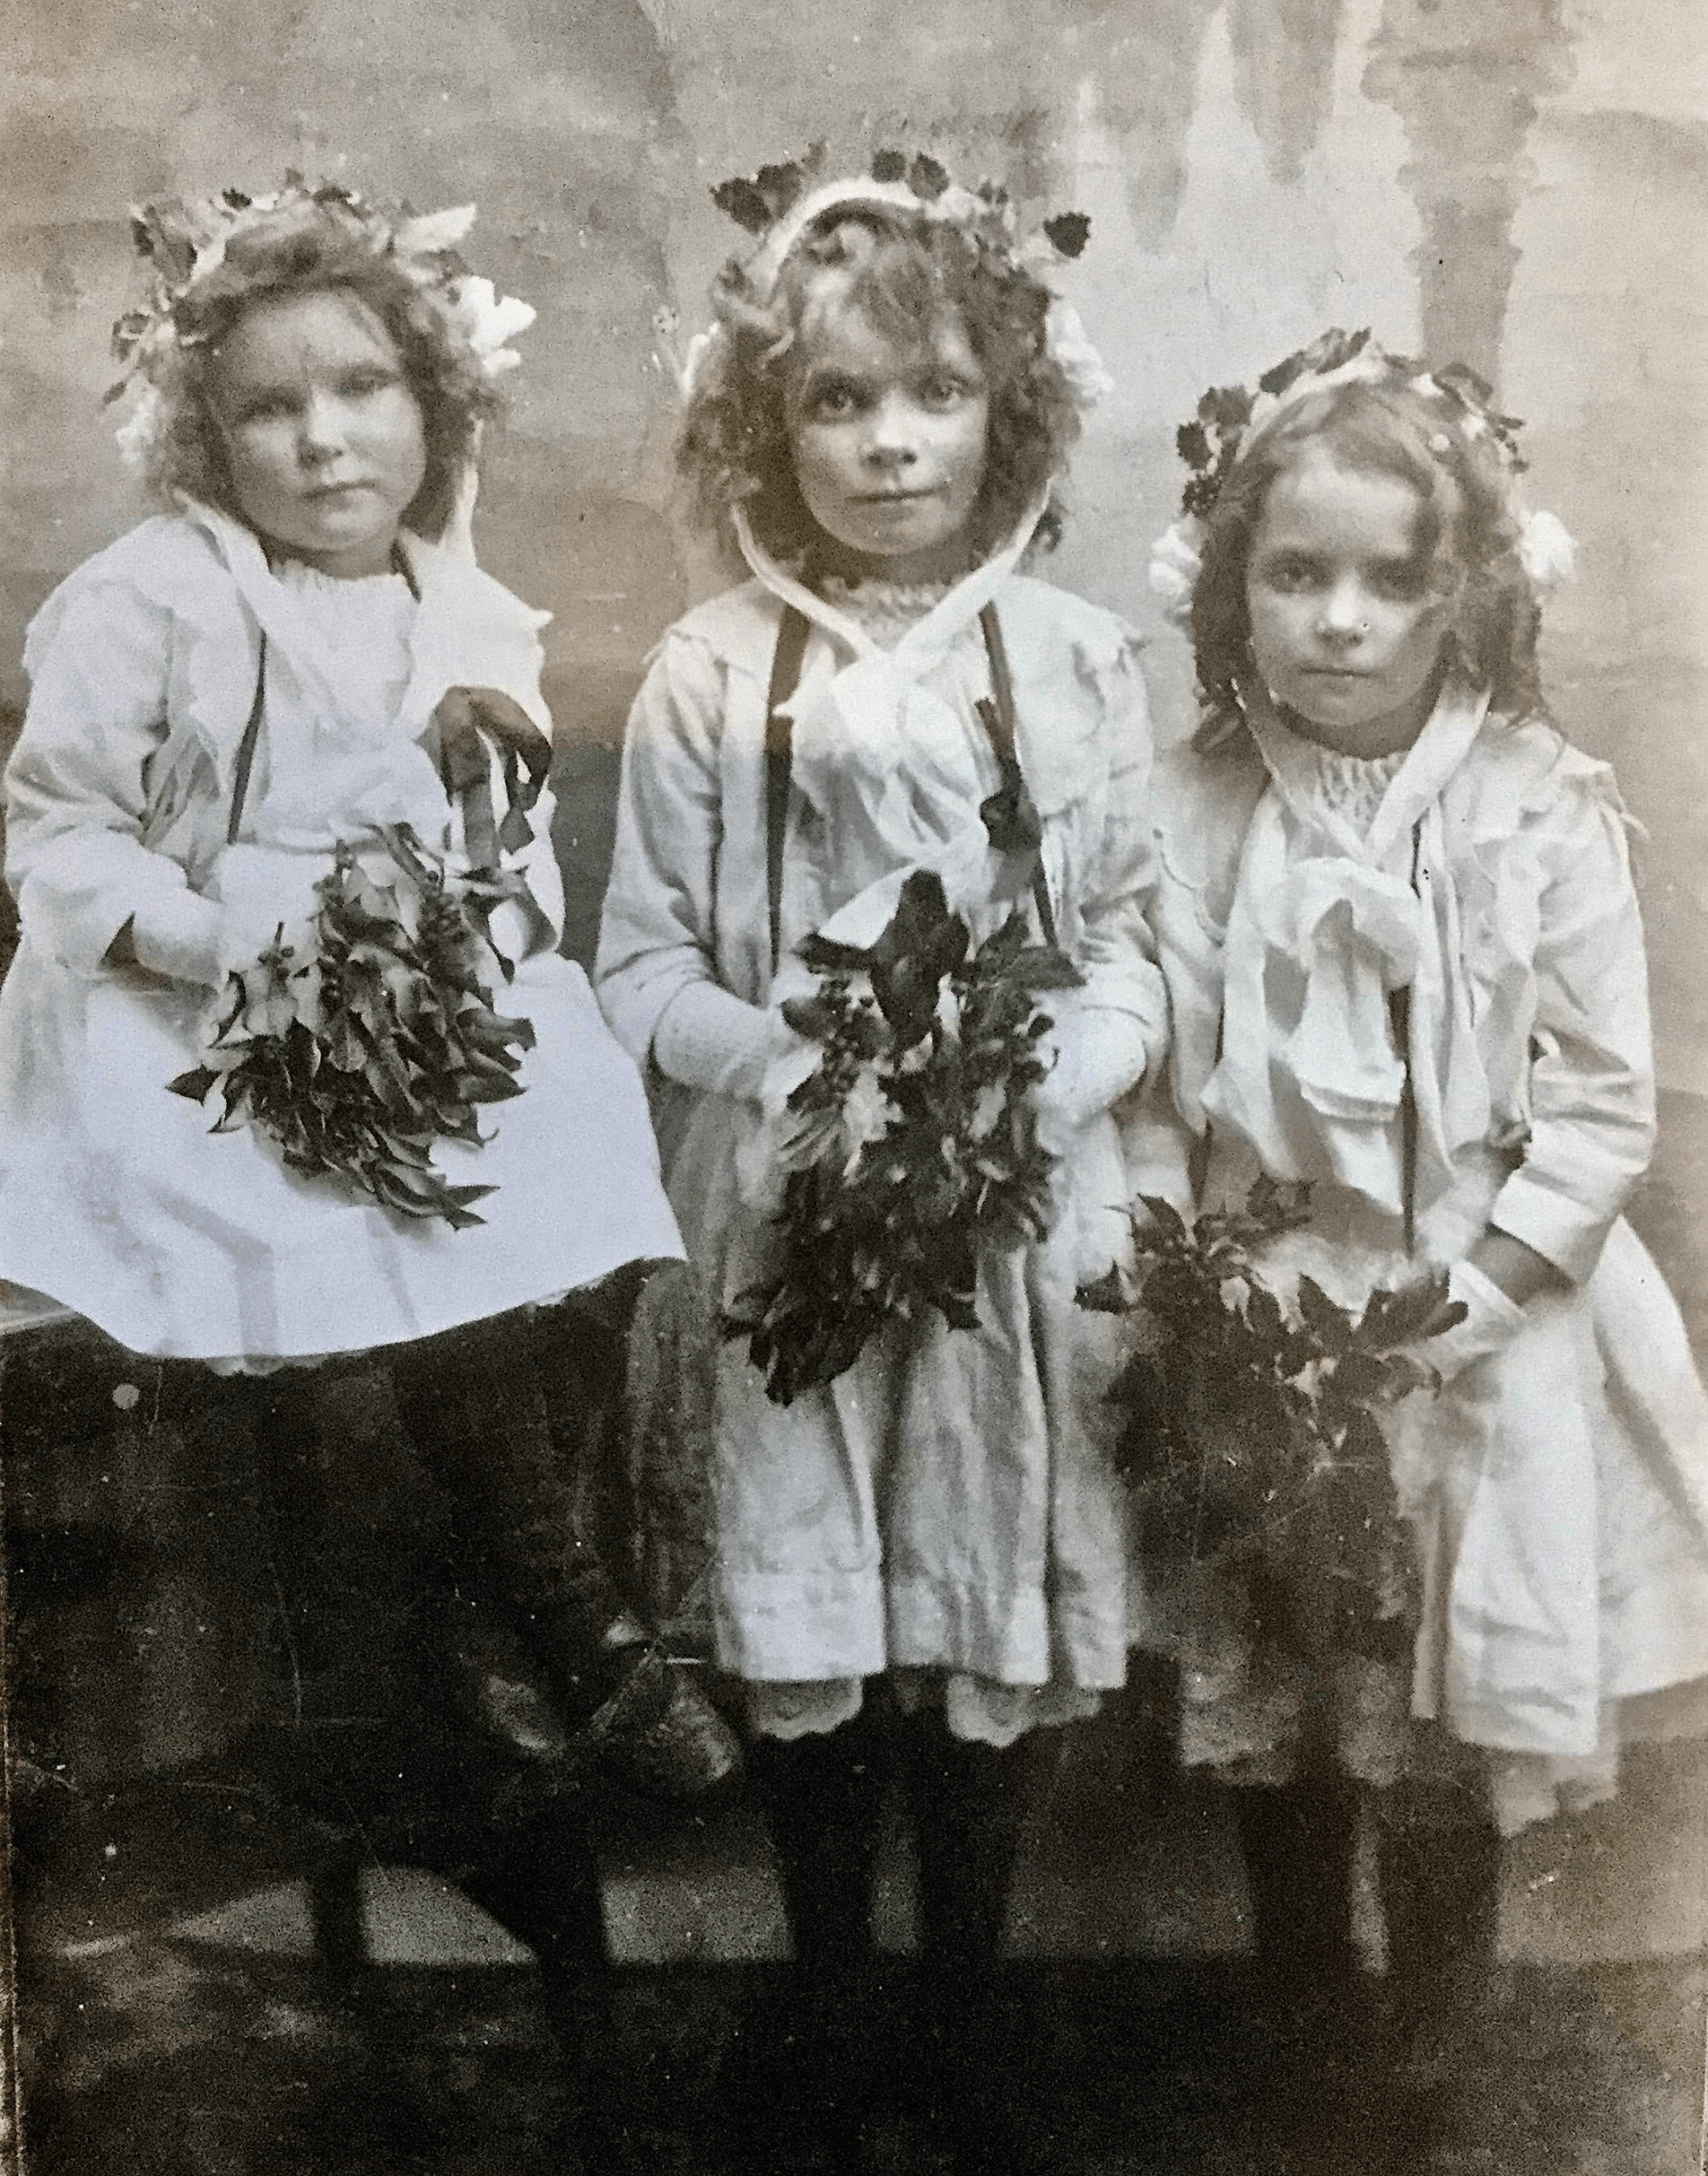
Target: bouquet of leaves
[913,1143]
[1250,1430]
[360,1049]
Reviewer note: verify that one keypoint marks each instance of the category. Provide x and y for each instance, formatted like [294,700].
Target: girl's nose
[1344,617]
[320,428]
[891,439]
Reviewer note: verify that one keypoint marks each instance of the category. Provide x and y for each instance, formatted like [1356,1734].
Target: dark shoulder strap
[779,758]
[1399,1014]
[1009,814]
[246,747]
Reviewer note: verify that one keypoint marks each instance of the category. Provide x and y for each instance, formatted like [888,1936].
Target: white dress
[115,1197]
[1558,1490]
[949,1503]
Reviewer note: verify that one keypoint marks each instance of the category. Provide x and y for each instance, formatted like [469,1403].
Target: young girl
[879,419]
[301,651]
[1405,965]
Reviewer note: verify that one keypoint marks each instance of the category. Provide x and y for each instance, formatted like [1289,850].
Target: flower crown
[780,203]
[1230,419]
[186,241]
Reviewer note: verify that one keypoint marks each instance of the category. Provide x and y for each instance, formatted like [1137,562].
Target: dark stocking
[312,1575]
[823,1796]
[1299,1844]
[801,2077]
[969,1804]
[1440,1895]
[470,1404]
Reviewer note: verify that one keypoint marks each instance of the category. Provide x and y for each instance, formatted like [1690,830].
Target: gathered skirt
[118,1200]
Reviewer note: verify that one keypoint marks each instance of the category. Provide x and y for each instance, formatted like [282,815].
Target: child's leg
[1439,1865]
[1299,1843]
[469,1402]
[801,2078]
[823,1796]
[970,1803]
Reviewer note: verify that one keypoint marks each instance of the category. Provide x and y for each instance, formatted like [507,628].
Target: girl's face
[324,437]
[1346,629]
[888,443]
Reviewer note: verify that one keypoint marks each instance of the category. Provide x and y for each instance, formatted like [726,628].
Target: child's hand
[177,935]
[1098,1055]
[1492,1320]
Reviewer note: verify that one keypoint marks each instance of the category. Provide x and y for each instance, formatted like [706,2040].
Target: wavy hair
[309,248]
[906,273]
[1467,537]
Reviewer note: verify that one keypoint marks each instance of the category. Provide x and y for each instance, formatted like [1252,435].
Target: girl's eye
[832,401]
[359,384]
[263,408]
[943,391]
[1402,580]
[1289,575]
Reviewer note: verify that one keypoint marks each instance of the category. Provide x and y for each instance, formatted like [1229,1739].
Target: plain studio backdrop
[1519,183]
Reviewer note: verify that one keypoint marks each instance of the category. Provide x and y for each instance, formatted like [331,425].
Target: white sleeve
[77,790]
[1118,1025]
[1591,1077]
[655,938]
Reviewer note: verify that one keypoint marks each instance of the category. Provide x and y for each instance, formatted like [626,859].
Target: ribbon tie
[1354,933]
[886,762]
[464,720]
[1326,925]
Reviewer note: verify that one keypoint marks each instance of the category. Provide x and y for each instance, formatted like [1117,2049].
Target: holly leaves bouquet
[370,1036]
[912,1141]
[1250,1428]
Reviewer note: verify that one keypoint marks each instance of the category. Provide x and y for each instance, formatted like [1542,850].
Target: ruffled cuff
[177,933]
[1492,1320]
[1550,1223]
[707,1038]
[1100,1054]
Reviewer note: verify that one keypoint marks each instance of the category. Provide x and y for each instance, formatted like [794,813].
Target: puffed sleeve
[1591,1079]
[77,790]
[1122,1010]
[656,971]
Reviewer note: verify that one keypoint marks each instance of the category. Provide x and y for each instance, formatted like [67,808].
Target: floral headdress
[187,242]
[1230,420]
[780,203]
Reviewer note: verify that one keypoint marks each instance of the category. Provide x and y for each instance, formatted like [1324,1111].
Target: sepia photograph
[854,1088]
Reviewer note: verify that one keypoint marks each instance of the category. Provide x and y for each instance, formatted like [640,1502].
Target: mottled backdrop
[1520,182]
[1514,182]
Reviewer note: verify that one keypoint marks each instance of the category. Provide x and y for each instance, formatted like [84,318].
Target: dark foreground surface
[186,2060]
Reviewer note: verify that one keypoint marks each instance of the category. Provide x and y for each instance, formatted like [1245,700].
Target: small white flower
[137,436]
[1070,345]
[1176,561]
[692,366]
[988,1109]
[489,322]
[1546,550]
[866,1114]
[434,231]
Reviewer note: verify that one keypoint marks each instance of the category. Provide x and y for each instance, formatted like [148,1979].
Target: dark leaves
[1068,233]
[890,166]
[195,1083]
[358,1059]
[758,202]
[739,199]
[889,1221]
[1249,1434]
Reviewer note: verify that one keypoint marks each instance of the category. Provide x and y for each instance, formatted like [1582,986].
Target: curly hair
[1467,537]
[306,249]
[906,273]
